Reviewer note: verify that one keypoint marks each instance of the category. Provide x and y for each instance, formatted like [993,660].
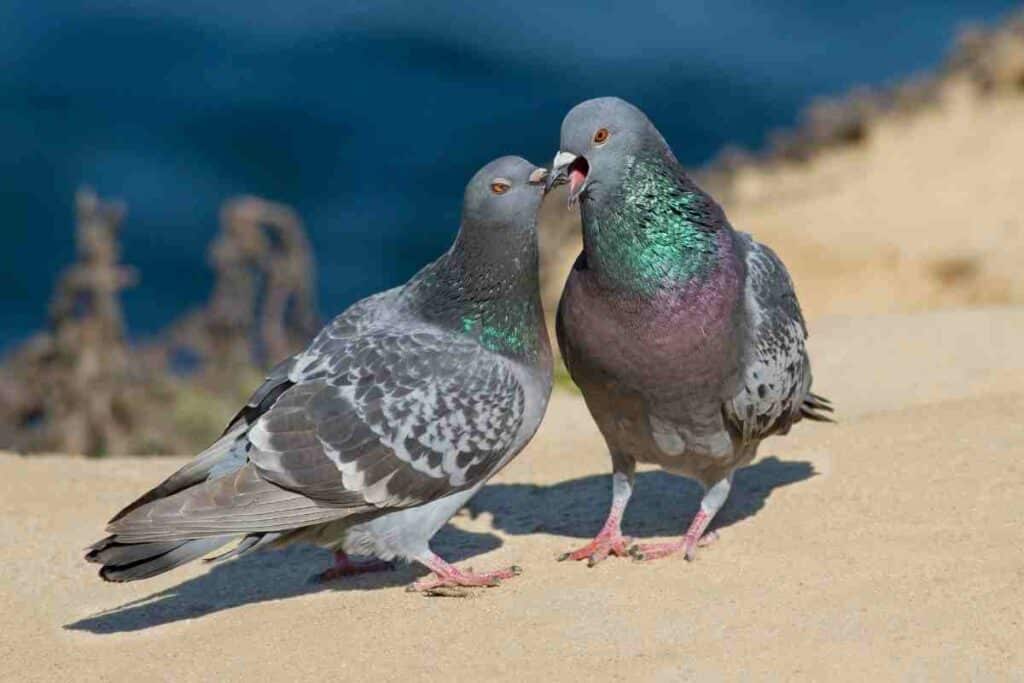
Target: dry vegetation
[80,387]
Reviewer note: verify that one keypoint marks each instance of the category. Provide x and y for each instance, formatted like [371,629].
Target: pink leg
[609,541]
[449,576]
[694,537]
[713,500]
[344,566]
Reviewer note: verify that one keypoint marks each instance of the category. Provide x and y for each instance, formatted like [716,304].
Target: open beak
[572,169]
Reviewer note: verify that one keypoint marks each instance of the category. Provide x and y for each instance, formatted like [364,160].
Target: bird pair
[684,336]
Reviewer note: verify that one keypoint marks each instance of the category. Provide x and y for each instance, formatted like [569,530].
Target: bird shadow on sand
[264,576]
[662,504]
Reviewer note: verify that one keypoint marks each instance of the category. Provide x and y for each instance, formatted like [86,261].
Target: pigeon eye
[500,186]
[601,136]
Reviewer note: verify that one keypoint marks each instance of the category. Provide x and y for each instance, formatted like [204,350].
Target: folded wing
[360,423]
[777,370]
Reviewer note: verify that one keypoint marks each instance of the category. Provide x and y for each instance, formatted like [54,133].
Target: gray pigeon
[684,335]
[372,438]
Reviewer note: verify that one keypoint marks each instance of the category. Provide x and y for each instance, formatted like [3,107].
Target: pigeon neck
[490,296]
[660,230]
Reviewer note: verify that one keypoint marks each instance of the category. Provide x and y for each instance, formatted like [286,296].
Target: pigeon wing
[777,370]
[379,421]
[355,320]
[228,453]
[398,419]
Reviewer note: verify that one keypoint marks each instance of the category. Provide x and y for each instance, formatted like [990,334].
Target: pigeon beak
[559,169]
[537,177]
[570,168]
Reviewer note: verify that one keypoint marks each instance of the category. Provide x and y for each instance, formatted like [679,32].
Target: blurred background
[189,188]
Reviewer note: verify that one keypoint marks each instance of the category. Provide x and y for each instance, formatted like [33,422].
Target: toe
[653,551]
[707,539]
[576,555]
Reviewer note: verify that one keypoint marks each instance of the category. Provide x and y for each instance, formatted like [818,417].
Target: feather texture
[776,378]
[397,405]
[684,335]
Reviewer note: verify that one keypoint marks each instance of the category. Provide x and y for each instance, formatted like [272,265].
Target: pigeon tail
[134,561]
[814,408]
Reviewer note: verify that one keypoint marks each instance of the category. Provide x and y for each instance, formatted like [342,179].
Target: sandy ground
[888,546]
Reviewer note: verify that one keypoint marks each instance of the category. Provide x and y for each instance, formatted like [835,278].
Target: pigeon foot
[344,566]
[448,580]
[655,551]
[449,583]
[604,544]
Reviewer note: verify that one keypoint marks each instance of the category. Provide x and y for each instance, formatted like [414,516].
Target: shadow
[662,503]
[661,506]
[264,576]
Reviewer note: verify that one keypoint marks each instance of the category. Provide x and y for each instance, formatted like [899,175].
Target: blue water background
[369,117]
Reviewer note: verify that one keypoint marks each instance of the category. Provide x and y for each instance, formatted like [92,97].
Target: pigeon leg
[712,502]
[344,566]
[449,576]
[609,541]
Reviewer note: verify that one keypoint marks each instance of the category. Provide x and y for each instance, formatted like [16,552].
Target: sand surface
[888,546]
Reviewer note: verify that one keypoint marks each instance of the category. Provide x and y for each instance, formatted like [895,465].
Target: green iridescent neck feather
[489,297]
[659,230]
[505,325]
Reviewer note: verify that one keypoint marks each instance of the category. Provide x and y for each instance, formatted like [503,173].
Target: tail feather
[235,505]
[245,546]
[170,531]
[133,561]
[814,408]
[222,457]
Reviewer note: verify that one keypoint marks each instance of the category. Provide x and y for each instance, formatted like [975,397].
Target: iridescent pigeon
[684,335]
[372,438]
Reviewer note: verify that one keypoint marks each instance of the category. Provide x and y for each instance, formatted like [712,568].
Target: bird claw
[595,552]
[656,551]
[453,583]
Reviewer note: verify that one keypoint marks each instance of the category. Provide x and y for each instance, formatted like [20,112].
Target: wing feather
[777,372]
[428,412]
[368,418]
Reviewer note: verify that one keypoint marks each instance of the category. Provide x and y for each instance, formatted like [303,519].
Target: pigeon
[684,335]
[372,438]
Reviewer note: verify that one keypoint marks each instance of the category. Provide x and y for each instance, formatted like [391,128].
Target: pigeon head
[502,199]
[487,284]
[498,234]
[599,139]
[646,224]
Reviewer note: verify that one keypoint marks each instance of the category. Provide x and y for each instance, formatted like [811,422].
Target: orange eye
[601,136]
[498,187]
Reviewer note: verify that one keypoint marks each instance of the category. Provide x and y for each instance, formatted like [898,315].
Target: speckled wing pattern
[357,318]
[230,452]
[376,414]
[777,372]
[391,418]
